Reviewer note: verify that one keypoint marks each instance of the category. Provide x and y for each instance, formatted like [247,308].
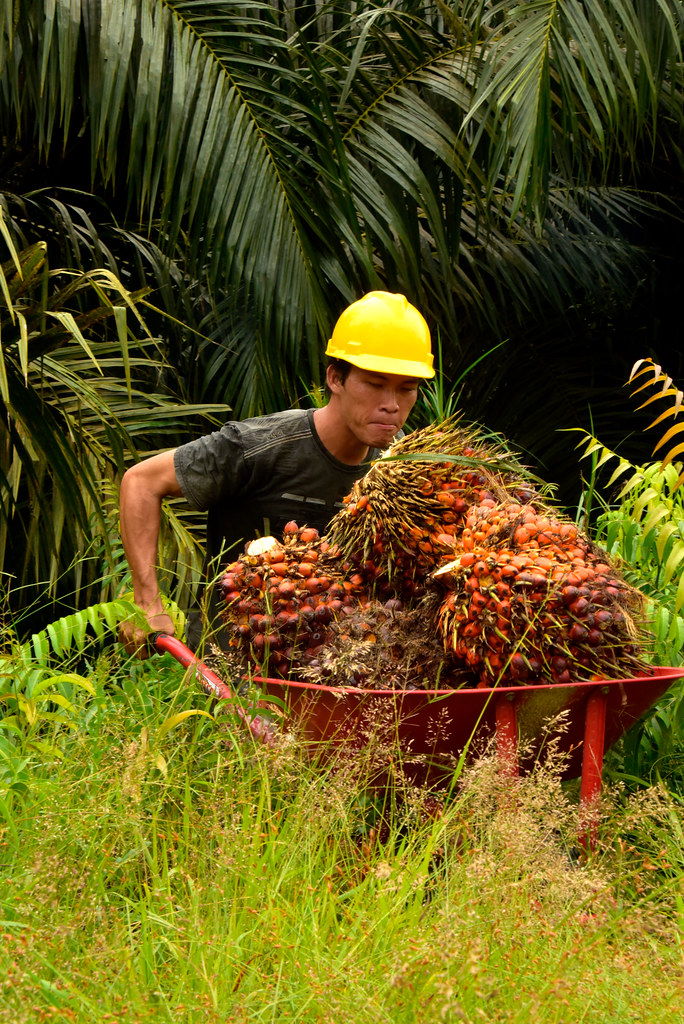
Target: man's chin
[382,438]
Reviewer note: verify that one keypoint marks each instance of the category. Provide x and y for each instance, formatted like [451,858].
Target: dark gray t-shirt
[253,476]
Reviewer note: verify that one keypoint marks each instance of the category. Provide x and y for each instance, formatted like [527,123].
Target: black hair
[341,367]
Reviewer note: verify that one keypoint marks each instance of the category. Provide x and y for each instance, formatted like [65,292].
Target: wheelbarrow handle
[261,727]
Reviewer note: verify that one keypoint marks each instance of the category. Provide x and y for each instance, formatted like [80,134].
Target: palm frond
[73,401]
[664,388]
[565,85]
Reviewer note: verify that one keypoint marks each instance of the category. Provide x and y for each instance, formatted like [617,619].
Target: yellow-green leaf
[180,717]
[675,558]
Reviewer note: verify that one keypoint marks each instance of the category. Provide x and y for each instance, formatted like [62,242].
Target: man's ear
[334,379]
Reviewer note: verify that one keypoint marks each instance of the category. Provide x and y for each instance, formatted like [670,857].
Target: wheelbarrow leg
[592,768]
[506,730]
[506,727]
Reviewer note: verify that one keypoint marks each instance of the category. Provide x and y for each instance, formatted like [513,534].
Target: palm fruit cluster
[407,514]
[280,598]
[446,567]
[530,599]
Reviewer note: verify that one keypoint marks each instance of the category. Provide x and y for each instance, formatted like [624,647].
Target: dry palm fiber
[407,513]
[386,646]
[531,600]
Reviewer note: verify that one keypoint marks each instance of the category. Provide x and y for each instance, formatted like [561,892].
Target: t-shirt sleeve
[212,467]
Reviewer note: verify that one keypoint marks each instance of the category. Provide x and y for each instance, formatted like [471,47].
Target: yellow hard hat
[383,332]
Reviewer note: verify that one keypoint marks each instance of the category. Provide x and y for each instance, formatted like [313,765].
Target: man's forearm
[140,514]
[142,489]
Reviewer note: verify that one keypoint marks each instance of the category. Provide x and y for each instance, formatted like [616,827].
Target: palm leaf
[663,385]
[569,84]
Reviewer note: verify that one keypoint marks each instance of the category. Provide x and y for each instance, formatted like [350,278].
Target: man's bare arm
[143,488]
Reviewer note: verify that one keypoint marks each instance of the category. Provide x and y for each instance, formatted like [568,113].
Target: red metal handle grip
[261,727]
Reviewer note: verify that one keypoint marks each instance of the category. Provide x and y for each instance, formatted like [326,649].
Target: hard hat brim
[384,364]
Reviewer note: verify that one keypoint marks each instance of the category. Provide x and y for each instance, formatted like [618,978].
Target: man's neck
[336,436]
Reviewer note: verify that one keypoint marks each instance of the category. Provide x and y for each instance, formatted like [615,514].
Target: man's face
[374,406]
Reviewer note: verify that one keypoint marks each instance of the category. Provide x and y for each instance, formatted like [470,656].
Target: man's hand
[134,636]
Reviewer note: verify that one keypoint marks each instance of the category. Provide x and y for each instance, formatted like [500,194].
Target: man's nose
[389,399]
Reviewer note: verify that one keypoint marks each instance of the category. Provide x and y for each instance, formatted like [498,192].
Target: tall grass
[152,871]
[637,514]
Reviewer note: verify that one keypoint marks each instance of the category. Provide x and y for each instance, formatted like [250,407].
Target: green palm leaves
[75,376]
[305,157]
[262,164]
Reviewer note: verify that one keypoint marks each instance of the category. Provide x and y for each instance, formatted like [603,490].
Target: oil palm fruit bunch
[530,599]
[281,596]
[407,513]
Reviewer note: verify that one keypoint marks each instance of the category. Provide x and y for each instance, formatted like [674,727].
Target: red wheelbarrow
[433,727]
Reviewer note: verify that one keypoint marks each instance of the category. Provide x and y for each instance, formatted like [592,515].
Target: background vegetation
[514,168]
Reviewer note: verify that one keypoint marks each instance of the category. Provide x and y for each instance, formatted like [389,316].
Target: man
[253,476]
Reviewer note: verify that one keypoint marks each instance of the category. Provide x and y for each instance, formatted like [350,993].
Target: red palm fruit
[579,607]
[579,633]
[323,614]
[290,528]
[518,667]
[308,535]
[279,568]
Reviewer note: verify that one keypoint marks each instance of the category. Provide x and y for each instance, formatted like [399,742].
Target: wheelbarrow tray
[433,727]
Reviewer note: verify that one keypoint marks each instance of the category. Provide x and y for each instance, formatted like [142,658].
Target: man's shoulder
[258,433]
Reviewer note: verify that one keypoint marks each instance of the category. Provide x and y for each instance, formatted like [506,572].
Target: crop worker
[253,476]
